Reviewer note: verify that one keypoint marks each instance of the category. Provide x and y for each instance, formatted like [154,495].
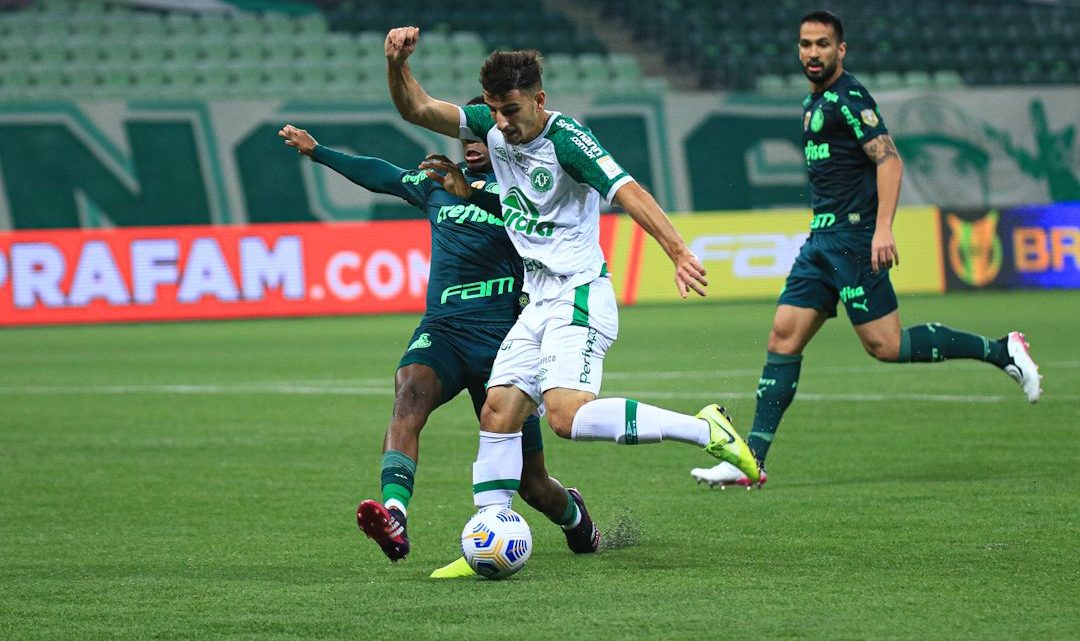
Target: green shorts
[835,267]
[461,355]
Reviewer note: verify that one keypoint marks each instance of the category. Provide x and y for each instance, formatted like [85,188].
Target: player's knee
[782,340]
[561,420]
[414,399]
[884,351]
[498,418]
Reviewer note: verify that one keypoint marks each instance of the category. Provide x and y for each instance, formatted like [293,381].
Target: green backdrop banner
[104,164]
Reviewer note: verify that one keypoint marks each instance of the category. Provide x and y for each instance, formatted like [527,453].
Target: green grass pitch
[198,481]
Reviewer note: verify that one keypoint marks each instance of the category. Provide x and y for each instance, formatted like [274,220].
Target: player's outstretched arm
[890,172]
[373,174]
[412,102]
[643,208]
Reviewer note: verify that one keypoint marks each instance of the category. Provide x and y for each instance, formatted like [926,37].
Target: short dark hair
[505,71]
[826,18]
[477,100]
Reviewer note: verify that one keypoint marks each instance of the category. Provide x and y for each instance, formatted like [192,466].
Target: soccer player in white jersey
[552,173]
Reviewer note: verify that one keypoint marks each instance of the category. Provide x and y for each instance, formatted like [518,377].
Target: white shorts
[560,342]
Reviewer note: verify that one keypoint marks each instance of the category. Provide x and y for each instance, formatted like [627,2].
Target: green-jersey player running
[473,298]
[855,176]
[552,173]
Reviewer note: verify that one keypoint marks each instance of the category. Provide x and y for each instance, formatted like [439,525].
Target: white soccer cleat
[1023,369]
[723,475]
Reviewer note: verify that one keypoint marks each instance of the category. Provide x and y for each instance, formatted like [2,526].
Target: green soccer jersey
[475,274]
[837,123]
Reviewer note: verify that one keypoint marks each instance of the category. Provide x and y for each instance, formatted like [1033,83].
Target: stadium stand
[59,49]
[68,49]
[748,44]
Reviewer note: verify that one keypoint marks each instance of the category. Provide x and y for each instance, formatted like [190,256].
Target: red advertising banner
[187,273]
[176,273]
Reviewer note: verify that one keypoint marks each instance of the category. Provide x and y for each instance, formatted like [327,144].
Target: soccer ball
[496,542]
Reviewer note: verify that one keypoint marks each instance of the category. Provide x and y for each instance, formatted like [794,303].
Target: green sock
[572,515]
[775,391]
[934,342]
[398,472]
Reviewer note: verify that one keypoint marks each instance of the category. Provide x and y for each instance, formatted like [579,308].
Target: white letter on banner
[262,268]
[97,276]
[206,273]
[419,270]
[3,269]
[36,271]
[153,263]
[338,262]
[766,255]
[392,286]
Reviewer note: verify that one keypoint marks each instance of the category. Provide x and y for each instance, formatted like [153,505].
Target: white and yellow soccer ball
[496,542]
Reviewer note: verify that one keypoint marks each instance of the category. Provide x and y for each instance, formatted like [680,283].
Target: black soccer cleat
[385,526]
[583,538]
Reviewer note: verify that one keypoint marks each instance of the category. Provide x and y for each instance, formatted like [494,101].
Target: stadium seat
[771,83]
[885,80]
[150,79]
[918,79]
[469,44]
[593,69]
[947,79]
[624,67]
[215,49]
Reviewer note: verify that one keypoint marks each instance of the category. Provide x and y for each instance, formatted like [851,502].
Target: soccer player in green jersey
[473,297]
[552,173]
[855,174]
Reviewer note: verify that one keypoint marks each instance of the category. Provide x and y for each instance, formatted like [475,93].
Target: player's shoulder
[850,89]
[571,139]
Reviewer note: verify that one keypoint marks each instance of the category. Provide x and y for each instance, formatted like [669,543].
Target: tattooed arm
[890,170]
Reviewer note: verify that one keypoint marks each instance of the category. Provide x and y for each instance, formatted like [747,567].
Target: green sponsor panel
[720,153]
[273,183]
[626,138]
[56,177]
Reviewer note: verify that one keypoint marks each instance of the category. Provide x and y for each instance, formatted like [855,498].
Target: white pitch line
[197,389]
[310,390]
[805,396]
[874,368]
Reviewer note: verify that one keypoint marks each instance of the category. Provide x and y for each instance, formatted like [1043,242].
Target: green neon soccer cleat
[726,444]
[457,570]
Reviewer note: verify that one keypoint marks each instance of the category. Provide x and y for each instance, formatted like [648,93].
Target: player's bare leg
[417,393]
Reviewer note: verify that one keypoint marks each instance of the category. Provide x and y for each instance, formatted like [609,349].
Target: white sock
[398,504]
[497,470]
[626,421]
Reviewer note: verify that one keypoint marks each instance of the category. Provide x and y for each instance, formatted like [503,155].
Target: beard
[817,76]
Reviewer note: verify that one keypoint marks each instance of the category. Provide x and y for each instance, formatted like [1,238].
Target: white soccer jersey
[550,188]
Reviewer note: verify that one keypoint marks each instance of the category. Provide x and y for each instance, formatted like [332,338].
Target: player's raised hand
[298,138]
[883,252]
[400,43]
[690,274]
[448,174]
